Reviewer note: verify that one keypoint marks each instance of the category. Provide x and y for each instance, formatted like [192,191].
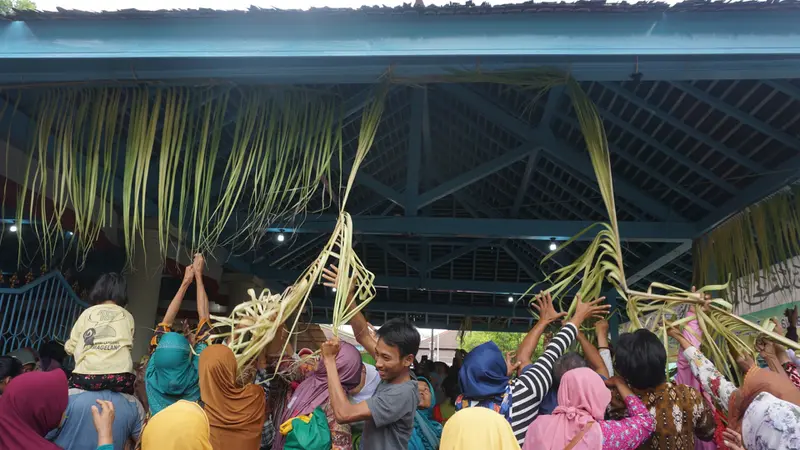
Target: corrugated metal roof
[451,9]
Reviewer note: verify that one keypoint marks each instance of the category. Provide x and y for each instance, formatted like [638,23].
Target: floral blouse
[628,433]
[713,382]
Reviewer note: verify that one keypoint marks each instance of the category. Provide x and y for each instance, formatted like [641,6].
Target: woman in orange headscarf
[235,413]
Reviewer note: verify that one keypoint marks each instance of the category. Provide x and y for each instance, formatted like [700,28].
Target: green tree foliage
[8,6]
[508,342]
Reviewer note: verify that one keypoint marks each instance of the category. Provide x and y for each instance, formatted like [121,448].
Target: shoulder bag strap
[579,436]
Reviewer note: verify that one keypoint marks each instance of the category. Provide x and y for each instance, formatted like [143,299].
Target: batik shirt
[680,414]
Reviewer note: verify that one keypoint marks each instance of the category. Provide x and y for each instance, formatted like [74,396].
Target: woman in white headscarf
[369,382]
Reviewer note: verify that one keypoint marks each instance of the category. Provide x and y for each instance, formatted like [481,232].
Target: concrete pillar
[144,286]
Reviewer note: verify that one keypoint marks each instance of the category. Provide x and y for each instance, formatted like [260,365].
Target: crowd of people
[188,394]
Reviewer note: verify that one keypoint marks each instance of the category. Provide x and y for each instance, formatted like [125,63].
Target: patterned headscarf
[771,424]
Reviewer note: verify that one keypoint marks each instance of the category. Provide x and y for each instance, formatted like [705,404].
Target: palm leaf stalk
[253,325]
[602,261]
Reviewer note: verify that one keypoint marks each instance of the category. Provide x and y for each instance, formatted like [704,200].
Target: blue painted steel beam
[281,46]
[559,152]
[457,253]
[404,258]
[321,70]
[450,322]
[530,167]
[739,115]
[523,263]
[478,173]
[418,283]
[414,159]
[519,312]
[649,140]
[553,97]
[495,228]
[683,127]
[658,260]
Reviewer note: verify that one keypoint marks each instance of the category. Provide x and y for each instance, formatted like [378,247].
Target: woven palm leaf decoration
[254,324]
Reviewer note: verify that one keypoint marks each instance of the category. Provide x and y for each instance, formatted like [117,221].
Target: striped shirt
[533,384]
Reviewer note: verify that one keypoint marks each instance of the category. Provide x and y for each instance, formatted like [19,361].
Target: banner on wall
[771,294]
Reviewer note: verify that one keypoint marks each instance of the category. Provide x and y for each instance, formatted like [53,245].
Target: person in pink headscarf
[577,423]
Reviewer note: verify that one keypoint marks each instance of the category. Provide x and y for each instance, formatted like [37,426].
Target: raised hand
[198,263]
[511,366]
[543,304]
[676,334]
[585,310]
[188,275]
[331,277]
[330,348]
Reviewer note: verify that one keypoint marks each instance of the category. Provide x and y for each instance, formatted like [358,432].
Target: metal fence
[42,310]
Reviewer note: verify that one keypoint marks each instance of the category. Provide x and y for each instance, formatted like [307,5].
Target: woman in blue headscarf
[485,380]
[171,373]
[427,432]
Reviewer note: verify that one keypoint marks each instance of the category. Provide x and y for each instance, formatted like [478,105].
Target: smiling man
[389,413]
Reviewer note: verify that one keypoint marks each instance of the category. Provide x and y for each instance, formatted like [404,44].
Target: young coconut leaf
[254,324]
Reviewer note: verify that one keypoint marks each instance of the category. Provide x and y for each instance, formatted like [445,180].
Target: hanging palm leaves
[162,148]
[83,153]
[761,240]
[254,324]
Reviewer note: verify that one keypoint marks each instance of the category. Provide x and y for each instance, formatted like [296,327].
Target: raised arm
[592,355]
[343,410]
[601,330]
[714,383]
[791,332]
[202,297]
[175,304]
[361,328]
[534,382]
[777,358]
[630,432]
[543,303]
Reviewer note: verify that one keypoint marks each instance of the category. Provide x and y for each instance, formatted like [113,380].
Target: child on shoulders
[102,338]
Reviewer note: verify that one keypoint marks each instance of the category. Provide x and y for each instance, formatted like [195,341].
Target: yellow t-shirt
[101,341]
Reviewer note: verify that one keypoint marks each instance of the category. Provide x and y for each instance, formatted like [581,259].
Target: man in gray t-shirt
[392,407]
[389,413]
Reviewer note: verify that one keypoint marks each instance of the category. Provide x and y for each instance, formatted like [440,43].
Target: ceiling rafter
[738,114]
[649,140]
[655,174]
[679,124]
[558,151]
